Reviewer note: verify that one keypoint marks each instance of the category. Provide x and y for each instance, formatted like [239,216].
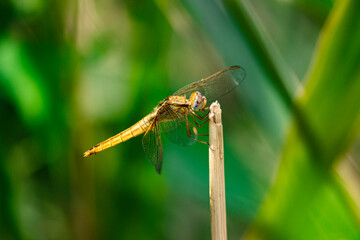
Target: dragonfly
[171,116]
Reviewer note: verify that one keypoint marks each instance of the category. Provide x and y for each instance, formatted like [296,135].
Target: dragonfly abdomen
[133,131]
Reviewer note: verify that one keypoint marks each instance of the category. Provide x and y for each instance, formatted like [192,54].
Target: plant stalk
[216,175]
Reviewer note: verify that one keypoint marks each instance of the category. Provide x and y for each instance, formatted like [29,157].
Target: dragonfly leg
[200,117]
[196,134]
[199,126]
[207,120]
[189,133]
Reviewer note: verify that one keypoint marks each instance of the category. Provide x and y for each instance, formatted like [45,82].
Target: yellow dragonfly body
[170,116]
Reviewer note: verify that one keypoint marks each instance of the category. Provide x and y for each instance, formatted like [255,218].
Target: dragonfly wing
[215,85]
[170,118]
[180,136]
[172,122]
[153,147]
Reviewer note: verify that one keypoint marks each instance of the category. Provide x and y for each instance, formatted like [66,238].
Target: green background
[73,73]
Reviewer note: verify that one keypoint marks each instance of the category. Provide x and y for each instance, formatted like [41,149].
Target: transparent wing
[169,118]
[179,135]
[216,85]
[153,147]
[172,121]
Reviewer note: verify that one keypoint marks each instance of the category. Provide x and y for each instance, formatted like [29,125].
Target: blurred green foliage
[73,73]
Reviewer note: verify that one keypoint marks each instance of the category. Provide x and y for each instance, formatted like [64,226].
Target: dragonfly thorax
[197,100]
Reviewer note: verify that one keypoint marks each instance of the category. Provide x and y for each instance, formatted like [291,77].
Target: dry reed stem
[216,175]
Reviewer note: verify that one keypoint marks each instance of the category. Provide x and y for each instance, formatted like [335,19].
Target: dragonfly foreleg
[197,124]
[200,117]
[189,133]
[196,134]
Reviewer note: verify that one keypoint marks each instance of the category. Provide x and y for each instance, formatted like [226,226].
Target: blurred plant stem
[278,71]
[307,197]
[263,48]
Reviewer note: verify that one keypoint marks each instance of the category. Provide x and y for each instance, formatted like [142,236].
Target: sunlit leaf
[307,200]
[19,79]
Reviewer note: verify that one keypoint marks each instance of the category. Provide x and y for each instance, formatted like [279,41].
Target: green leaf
[307,200]
[21,82]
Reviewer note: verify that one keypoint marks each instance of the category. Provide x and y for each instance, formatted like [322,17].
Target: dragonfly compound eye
[199,101]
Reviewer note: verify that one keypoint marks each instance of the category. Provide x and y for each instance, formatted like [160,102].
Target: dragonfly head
[198,101]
